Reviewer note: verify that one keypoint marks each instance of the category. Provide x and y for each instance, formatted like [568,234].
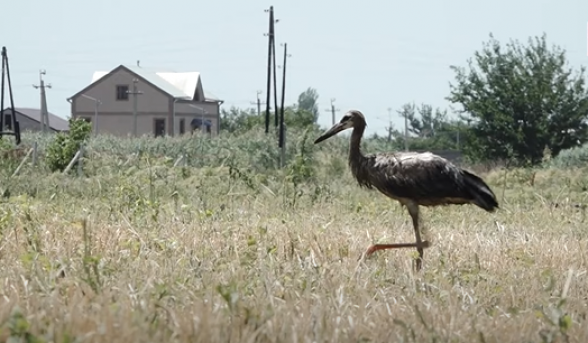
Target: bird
[412,178]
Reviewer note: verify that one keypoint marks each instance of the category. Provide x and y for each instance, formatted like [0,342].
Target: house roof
[177,85]
[55,122]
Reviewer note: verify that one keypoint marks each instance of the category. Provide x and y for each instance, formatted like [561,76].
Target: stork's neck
[355,155]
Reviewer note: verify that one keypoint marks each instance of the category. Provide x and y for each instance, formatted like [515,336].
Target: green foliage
[236,119]
[301,168]
[519,100]
[65,145]
[301,115]
[308,101]
[8,155]
[570,158]
[432,128]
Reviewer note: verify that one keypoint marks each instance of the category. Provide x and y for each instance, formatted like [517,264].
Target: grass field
[141,251]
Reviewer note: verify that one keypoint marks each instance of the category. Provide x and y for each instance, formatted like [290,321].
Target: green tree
[308,101]
[304,114]
[429,128]
[64,146]
[237,119]
[519,100]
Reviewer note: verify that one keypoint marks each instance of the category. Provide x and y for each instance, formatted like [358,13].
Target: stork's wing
[418,176]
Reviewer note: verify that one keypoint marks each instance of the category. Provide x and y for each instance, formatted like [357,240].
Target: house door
[182,126]
[159,127]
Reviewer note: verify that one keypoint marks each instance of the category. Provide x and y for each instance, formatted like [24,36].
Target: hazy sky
[368,55]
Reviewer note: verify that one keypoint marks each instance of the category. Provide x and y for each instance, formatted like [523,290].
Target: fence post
[22,162]
[35,151]
[71,163]
[177,162]
[80,172]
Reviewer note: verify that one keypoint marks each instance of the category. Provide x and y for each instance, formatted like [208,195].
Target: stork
[414,179]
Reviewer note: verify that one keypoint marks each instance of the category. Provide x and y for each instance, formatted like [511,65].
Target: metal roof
[55,122]
[178,85]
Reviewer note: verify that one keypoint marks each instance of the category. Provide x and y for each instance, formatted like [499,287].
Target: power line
[163,42]
[44,113]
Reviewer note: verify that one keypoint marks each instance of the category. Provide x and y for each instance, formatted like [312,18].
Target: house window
[8,122]
[159,127]
[122,92]
[182,126]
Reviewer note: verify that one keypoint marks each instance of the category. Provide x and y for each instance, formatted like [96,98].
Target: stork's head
[351,119]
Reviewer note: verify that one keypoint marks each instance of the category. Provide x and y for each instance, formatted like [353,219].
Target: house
[30,120]
[163,98]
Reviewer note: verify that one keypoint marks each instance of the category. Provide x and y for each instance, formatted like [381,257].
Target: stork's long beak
[331,132]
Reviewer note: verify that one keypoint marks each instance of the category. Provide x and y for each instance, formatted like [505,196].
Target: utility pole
[389,124]
[405,133]
[135,92]
[282,141]
[333,110]
[259,103]
[276,115]
[13,122]
[270,35]
[44,114]
[96,104]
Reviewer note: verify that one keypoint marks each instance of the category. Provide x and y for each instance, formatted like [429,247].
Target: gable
[186,85]
[199,92]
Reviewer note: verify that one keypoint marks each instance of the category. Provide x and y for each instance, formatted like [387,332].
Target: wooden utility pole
[405,133]
[258,103]
[389,124]
[333,110]
[15,127]
[276,115]
[44,120]
[135,92]
[270,41]
[282,141]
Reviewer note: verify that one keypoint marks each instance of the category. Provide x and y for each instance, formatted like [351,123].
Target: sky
[367,56]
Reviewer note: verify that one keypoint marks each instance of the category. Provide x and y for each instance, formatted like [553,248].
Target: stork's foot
[372,249]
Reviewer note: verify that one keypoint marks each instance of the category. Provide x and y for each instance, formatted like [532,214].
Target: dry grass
[186,257]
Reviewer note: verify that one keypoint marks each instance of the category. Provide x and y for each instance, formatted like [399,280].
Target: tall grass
[230,248]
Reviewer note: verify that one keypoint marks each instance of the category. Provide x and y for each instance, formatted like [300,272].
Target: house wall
[115,116]
[121,124]
[187,112]
[188,119]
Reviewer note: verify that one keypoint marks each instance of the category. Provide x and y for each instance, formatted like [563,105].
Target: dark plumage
[414,179]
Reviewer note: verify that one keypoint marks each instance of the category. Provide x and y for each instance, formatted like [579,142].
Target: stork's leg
[413,210]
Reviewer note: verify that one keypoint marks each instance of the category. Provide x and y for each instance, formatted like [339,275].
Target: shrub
[65,145]
[570,158]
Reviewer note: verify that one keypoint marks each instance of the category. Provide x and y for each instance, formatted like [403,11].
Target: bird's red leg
[373,248]
[420,245]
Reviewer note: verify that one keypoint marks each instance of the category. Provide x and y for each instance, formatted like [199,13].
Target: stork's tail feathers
[481,193]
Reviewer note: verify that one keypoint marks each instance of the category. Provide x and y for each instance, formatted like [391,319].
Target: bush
[64,146]
[570,158]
